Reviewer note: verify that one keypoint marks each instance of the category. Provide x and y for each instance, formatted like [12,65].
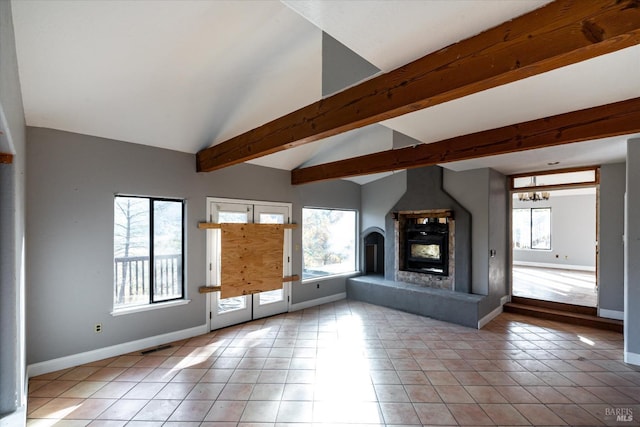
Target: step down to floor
[567,313]
[560,306]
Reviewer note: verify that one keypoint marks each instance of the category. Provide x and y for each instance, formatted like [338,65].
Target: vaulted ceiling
[186,75]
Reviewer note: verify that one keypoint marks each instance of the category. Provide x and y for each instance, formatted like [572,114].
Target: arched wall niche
[373,251]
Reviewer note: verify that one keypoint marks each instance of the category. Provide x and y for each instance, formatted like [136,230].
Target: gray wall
[12,228]
[471,189]
[378,197]
[573,231]
[342,67]
[499,271]
[632,255]
[71,184]
[611,244]
[484,193]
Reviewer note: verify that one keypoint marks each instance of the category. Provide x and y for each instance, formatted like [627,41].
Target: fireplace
[425,197]
[425,248]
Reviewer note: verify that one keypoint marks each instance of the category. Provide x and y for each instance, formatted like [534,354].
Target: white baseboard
[15,419]
[489,317]
[551,265]
[318,301]
[611,314]
[53,365]
[633,358]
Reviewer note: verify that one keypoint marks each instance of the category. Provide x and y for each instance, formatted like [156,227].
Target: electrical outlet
[98,328]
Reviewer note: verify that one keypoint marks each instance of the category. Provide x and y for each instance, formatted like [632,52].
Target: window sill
[149,307]
[330,276]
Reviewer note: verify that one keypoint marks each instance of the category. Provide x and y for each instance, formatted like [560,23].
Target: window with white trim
[532,228]
[148,248]
[328,242]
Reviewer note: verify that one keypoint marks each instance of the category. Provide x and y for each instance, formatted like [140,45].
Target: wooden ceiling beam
[558,34]
[6,158]
[620,118]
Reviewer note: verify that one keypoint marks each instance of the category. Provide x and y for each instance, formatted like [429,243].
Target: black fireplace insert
[427,247]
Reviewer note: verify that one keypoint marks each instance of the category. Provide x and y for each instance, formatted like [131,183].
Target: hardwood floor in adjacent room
[553,284]
[352,363]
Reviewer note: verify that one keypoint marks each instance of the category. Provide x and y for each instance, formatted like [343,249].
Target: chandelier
[533,196]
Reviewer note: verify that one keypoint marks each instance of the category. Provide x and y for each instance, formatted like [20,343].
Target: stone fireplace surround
[451,302]
[426,194]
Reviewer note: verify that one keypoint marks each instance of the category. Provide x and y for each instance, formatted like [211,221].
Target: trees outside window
[148,241]
[328,242]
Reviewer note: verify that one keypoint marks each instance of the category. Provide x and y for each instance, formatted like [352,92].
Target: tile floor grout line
[391,338]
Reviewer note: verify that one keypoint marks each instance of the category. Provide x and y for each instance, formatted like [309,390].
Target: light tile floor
[351,363]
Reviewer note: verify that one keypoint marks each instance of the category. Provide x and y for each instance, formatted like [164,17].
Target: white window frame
[530,229]
[155,305]
[355,246]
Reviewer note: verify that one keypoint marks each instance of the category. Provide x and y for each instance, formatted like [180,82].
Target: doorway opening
[554,218]
[224,312]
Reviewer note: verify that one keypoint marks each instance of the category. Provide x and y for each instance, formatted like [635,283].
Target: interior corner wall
[12,231]
[484,193]
[611,244]
[632,255]
[378,197]
[499,245]
[471,189]
[71,183]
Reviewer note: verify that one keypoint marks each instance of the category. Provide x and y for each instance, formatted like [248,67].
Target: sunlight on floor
[586,340]
[565,286]
[352,364]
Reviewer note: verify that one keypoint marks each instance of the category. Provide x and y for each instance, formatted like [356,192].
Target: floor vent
[153,350]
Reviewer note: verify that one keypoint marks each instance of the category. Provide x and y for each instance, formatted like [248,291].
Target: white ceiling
[185,75]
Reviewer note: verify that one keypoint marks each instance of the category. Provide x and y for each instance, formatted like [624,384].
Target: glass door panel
[274,302]
[231,311]
[228,311]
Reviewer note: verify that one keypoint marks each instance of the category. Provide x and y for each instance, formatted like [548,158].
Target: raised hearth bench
[455,307]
